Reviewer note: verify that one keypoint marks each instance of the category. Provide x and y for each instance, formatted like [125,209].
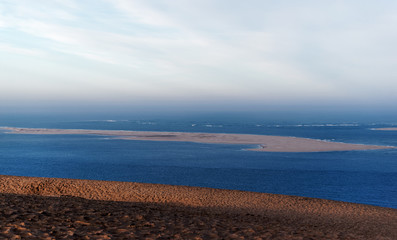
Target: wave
[313,125]
[107,120]
[212,125]
[145,122]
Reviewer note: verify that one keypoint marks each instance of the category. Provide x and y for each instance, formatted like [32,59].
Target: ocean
[368,177]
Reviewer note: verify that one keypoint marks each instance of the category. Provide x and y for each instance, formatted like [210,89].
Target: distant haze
[197,54]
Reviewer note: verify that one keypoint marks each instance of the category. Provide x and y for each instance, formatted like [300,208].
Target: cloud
[142,12]
[18,50]
[252,50]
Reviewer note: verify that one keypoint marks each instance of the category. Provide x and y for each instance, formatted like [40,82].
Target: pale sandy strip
[386,129]
[266,142]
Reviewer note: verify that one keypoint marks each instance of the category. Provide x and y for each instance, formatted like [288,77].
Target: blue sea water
[368,177]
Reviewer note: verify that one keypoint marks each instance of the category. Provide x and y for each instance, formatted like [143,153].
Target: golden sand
[62,208]
[266,143]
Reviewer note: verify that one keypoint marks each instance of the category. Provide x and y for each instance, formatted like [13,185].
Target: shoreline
[266,143]
[260,213]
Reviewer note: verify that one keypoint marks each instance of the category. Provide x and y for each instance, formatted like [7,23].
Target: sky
[228,53]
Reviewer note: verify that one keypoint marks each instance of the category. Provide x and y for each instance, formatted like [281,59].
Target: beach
[53,208]
[265,143]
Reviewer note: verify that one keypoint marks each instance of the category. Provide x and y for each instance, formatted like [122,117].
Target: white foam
[107,120]
[146,123]
[317,125]
[212,125]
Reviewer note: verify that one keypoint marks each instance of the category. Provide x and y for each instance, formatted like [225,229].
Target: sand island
[386,129]
[265,143]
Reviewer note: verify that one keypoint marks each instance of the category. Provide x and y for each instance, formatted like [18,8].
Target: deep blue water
[368,177]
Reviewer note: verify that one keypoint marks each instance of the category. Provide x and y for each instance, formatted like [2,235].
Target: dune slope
[121,209]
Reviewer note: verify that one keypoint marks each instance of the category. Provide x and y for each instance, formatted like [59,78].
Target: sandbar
[55,208]
[386,129]
[265,143]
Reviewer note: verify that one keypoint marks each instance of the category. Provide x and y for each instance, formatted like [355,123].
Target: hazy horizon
[198,55]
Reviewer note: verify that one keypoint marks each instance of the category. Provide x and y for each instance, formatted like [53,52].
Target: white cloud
[140,11]
[18,50]
[226,49]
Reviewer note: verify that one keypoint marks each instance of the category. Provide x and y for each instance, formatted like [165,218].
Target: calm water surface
[368,177]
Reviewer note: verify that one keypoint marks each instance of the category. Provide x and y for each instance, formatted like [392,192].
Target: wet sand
[265,143]
[50,208]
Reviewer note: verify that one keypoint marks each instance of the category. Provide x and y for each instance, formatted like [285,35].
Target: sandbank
[77,209]
[265,143]
[386,129]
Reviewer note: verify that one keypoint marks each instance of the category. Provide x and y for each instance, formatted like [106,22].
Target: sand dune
[265,143]
[49,207]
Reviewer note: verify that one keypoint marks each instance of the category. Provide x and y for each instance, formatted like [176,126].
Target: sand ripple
[49,208]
